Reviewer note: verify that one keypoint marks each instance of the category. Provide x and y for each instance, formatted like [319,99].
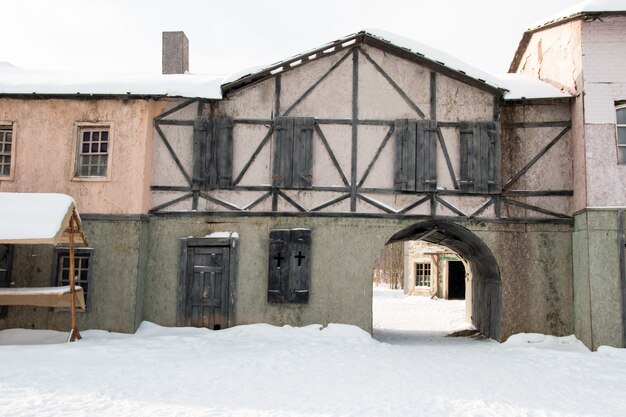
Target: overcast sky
[229,35]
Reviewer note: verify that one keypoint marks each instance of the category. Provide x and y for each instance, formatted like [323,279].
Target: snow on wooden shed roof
[34,218]
[14,80]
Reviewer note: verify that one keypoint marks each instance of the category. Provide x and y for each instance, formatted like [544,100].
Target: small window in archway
[422,275]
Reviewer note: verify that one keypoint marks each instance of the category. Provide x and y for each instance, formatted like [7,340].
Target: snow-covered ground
[262,370]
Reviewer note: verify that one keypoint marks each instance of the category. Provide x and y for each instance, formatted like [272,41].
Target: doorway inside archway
[442,260]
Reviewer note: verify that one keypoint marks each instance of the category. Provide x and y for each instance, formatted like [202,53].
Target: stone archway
[486,292]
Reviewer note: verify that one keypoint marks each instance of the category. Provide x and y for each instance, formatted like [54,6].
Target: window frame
[621,160]
[416,265]
[63,251]
[79,128]
[12,125]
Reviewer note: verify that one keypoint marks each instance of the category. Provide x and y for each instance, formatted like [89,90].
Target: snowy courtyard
[262,370]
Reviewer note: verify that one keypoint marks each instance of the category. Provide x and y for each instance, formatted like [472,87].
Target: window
[621,134]
[93,151]
[83,261]
[293,144]
[289,266]
[416,155]
[213,153]
[422,275]
[7,145]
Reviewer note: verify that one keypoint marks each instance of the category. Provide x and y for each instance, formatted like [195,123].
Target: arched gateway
[486,292]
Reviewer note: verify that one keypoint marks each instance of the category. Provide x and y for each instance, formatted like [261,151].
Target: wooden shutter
[289,266]
[213,153]
[278,276]
[300,270]
[480,158]
[416,155]
[293,139]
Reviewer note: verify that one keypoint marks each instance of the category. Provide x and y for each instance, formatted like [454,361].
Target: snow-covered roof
[521,87]
[14,80]
[34,217]
[582,8]
[514,87]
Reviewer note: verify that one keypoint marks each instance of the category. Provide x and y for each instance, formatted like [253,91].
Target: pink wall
[45,146]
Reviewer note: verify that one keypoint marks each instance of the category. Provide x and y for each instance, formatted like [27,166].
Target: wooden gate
[207,290]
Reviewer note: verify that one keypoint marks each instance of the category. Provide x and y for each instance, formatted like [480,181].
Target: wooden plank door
[207,287]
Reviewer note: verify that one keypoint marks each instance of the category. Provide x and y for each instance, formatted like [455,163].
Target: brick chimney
[175,53]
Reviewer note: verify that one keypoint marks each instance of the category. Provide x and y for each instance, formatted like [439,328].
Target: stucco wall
[117,268]
[534,261]
[45,150]
[604,85]
[597,287]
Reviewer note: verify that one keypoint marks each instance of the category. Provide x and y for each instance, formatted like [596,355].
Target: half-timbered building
[268,199]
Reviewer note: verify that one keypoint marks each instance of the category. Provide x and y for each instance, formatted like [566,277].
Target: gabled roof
[587,9]
[511,86]
[390,42]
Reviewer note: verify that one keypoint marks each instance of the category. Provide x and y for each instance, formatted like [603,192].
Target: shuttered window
[480,158]
[213,153]
[415,155]
[293,139]
[289,266]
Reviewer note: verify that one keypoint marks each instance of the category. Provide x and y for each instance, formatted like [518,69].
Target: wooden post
[74,333]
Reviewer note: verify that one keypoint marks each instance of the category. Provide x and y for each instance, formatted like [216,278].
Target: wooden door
[207,291]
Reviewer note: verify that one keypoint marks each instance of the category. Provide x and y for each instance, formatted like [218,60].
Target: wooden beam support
[526,125]
[482,209]
[375,204]
[413,205]
[433,95]
[449,206]
[172,202]
[257,201]
[331,154]
[532,162]
[175,109]
[219,202]
[173,155]
[174,122]
[277,83]
[375,158]
[316,83]
[446,155]
[291,201]
[382,72]
[330,202]
[256,152]
[355,127]
[527,206]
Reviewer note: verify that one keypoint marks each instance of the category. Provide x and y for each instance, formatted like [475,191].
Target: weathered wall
[598,310]
[555,55]
[534,261]
[604,85]
[520,144]
[331,99]
[46,142]
[118,263]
